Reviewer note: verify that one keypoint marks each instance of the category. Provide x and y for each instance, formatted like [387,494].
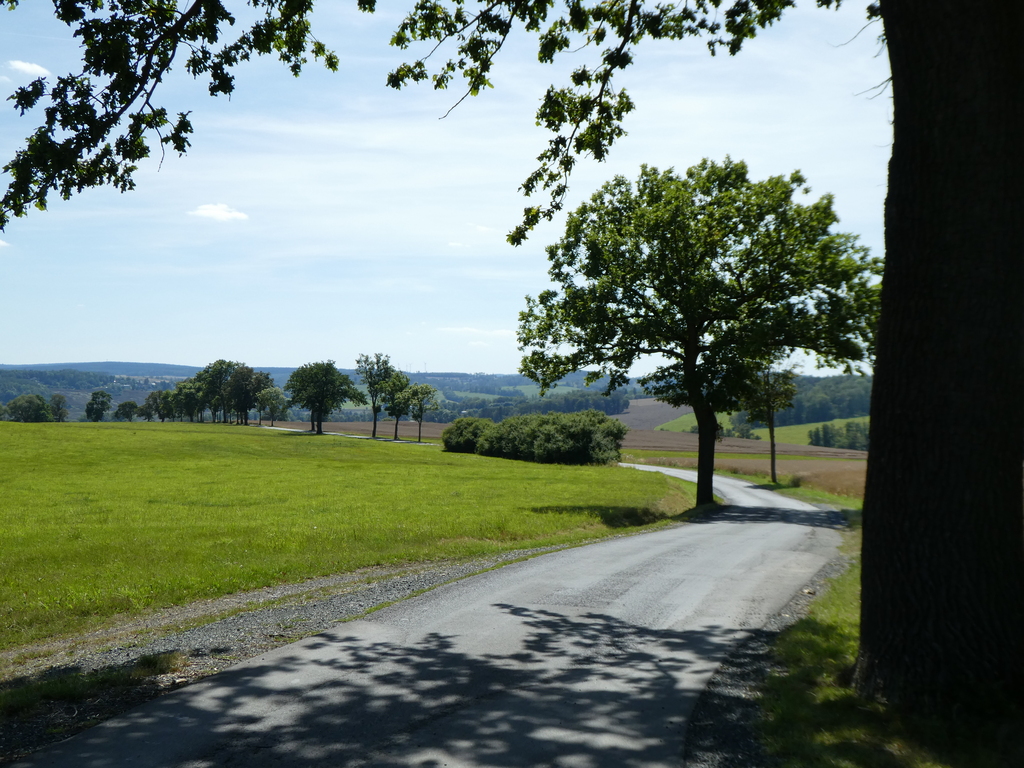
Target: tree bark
[943,559]
[397,419]
[771,440]
[707,437]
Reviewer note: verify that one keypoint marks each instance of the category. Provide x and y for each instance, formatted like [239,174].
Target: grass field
[796,434]
[106,519]
[686,422]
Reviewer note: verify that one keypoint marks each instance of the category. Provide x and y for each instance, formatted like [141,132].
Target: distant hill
[143,370]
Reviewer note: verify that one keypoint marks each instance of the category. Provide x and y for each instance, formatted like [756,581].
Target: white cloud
[5,79]
[27,68]
[218,212]
[4,244]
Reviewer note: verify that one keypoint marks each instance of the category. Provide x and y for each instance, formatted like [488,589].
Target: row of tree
[35,408]
[231,391]
[853,435]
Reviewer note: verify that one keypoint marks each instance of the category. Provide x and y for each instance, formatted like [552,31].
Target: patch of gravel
[722,730]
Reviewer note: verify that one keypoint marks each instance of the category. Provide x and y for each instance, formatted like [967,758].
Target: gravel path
[719,734]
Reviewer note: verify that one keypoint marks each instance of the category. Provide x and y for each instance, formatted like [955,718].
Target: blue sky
[326,216]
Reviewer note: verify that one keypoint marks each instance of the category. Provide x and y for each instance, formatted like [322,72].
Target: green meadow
[797,434]
[101,520]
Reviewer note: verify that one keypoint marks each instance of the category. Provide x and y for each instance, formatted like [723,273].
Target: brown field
[845,478]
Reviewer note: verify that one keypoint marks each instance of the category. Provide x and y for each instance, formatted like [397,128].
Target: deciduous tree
[772,392]
[98,405]
[273,402]
[321,388]
[715,273]
[126,411]
[374,372]
[394,398]
[29,408]
[422,398]
[59,407]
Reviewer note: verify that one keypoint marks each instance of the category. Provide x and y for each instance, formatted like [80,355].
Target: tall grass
[105,519]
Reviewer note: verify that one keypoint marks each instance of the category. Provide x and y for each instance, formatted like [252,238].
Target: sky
[329,215]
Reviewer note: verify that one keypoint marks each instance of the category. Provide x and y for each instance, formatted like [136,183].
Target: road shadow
[815,518]
[611,516]
[589,690]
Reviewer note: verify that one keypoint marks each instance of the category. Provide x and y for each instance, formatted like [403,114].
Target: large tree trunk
[771,440]
[707,437]
[942,611]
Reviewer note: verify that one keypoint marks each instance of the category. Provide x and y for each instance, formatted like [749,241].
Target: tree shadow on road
[588,689]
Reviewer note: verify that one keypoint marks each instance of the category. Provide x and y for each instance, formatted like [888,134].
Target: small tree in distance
[98,405]
[773,391]
[126,411]
[273,402]
[375,372]
[422,399]
[321,388]
[394,399]
[58,408]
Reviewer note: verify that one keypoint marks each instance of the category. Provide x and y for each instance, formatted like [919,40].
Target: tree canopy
[714,272]
[375,372]
[100,122]
[321,388]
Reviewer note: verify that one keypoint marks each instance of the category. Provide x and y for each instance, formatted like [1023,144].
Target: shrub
[462,435]
[588,437]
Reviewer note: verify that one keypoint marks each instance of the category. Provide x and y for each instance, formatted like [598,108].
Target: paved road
[587,657]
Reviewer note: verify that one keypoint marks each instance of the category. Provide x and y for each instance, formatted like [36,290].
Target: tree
[772,392]
[715,273]
[59,407]
[394,399]
[272,401]
[422,398]
[126,411]
[321,388]
[374,372]
[188,394]
[242,390]
[213,382]
[98,405]
[29,409]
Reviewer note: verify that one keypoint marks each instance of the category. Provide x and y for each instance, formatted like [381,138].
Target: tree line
[853,435]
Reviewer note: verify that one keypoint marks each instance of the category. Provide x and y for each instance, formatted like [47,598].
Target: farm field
[114,519]
[797,433]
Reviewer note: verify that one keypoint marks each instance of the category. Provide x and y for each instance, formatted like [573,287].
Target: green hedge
[587,437]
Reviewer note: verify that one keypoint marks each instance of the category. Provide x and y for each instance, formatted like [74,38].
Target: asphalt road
[587,657]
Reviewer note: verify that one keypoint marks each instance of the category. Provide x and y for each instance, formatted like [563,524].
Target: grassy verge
[81,686]
[814,719]
[106,520]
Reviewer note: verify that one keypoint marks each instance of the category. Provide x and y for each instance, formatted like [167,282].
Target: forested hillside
[827,398]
